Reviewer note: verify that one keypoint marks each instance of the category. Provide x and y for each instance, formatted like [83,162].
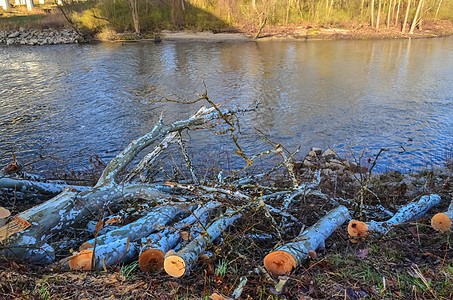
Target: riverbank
[35,37]
[40,37]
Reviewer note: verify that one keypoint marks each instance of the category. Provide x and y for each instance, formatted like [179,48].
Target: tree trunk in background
[378,19]
[397,12]
[438,8]
[30,4]
[5,4]
[389,13]
[372,13]
[417,13]
[406,16]
[134,6]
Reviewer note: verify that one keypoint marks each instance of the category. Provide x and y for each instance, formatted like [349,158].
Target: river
[65,103]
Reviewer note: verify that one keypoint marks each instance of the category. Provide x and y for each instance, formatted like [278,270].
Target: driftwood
[357,229]
[176,264]
[74,208]
[287,257]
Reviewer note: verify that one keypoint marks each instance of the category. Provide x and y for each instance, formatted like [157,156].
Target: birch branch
[287,257]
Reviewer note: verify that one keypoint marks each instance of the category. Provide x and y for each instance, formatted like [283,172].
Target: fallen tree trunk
[50,219]
[153,252]
[357,229]
[287,257]
[177,264]
[144,226]
[41,187]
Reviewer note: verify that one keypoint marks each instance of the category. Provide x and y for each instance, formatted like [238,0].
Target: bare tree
[134,7]
[5,4]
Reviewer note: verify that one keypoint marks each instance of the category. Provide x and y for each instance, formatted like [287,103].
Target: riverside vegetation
[133,19]
[408,260]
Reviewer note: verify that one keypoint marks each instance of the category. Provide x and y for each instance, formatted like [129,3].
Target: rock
[318,151]
[308,164]
[14,34]
[312,154]
[328,154]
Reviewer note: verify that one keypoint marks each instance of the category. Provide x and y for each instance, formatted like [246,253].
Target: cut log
[442,221]
[406,213]
[287,257]
[52,218]
[42,187]
[177,264]
[144,226]
[153,252]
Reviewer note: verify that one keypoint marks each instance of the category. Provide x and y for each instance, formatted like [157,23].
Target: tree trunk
[30,4]
[372,13]
[438,8]
[135,18]
[153,252]
[287,257]
[417,13]
[403,30]
[177,264]
[397,12]
[378,19]
[5,4]
[406,213]
[41,187]
[52,218]
[144,226]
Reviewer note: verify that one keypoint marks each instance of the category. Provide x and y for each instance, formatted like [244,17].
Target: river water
[66,103]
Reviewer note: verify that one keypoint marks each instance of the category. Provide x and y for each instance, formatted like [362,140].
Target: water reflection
[74,101]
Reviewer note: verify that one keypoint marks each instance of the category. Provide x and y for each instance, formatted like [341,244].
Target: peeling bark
[406,213]
[156,245]
[177,264]
[287,257]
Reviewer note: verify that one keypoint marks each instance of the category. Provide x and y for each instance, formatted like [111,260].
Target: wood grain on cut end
[174,266]
[441,222]
[279,263]
[151,260]
[82,260]
[357,229]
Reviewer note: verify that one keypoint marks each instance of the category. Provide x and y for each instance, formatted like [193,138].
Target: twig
[186,158]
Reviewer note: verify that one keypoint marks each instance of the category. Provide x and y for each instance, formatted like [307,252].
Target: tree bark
[287,257]
[30,4]
[153,251]
[5,4]
[406,16]
[41,187]
[144,226]
[177,264]
[416,19]
[52,218]
[406,213]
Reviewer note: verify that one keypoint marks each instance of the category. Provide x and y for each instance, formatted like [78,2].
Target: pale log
[153,252]
[178,263]
[409,212]
[287,257]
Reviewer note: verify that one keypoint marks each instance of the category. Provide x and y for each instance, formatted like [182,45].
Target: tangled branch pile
[178,220]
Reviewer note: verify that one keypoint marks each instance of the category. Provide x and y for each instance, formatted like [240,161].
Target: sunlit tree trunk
[134,6]
[389,13]
[30,4]
[406,16]
[362,4]
[5,4]
[372,13]
[378,15]
[397,12]
[417,13]
[438,8]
